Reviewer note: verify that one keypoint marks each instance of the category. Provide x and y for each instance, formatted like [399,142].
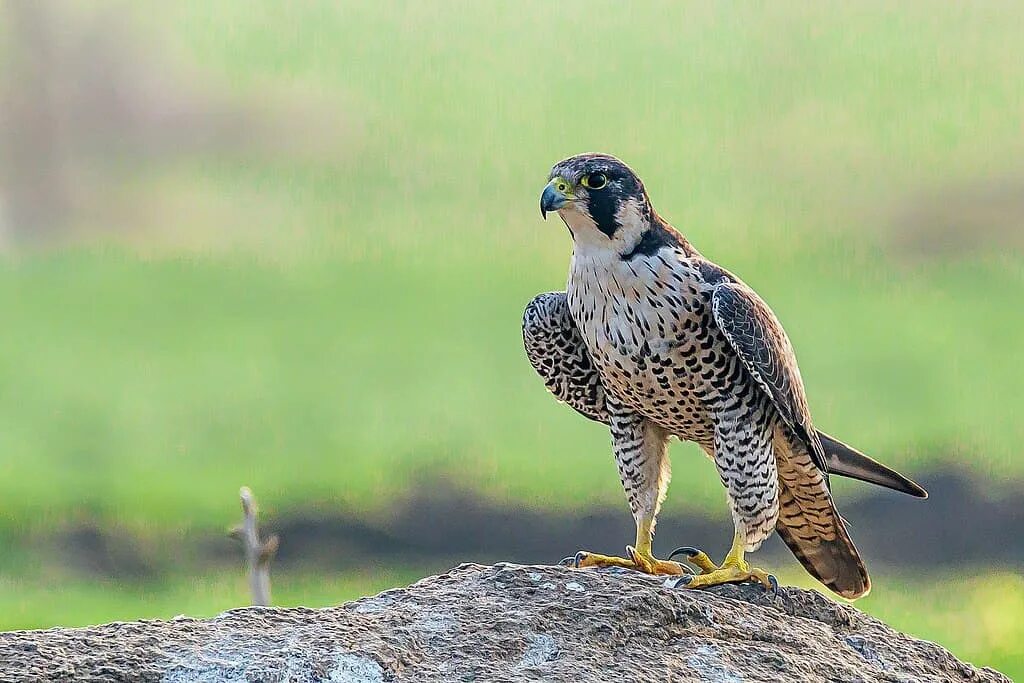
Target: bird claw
[573,560]
[696,557]
[771,585]
[687,550]
[683,580]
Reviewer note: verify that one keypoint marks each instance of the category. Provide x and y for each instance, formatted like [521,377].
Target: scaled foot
[733,570]
[638,560]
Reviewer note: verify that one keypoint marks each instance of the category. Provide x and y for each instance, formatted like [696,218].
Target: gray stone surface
[503,623]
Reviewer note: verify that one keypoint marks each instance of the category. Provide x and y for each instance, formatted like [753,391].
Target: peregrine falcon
[656,341]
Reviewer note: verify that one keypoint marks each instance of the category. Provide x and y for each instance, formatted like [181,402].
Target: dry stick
[257,553]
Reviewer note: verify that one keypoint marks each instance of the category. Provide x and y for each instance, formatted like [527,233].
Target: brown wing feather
[757,337]
[808,520]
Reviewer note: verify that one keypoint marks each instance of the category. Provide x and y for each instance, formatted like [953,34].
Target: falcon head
[599,197]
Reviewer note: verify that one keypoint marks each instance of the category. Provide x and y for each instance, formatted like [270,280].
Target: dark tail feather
[810,524]
[849,462]
[836,563]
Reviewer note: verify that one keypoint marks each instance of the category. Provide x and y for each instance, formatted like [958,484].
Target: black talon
[683,580]
[774,582]
[578,558]
[566,561]
[687,550]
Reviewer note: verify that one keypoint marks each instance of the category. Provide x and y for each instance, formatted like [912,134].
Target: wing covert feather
[757,337]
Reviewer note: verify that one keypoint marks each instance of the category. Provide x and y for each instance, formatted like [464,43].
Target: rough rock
[503,623]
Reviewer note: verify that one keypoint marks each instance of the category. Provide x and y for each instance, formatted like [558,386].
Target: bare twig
[257,553]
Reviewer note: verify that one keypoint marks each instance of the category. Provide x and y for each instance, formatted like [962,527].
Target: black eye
[595,181]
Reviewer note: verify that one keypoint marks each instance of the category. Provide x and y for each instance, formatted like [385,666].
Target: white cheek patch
[630,213]
[631,220]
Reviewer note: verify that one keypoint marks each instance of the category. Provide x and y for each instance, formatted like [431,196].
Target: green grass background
[344,327]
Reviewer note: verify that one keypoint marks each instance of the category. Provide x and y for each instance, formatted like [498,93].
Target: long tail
[849,462]
[810,524]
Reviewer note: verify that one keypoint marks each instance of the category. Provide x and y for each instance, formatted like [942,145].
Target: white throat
[631,223]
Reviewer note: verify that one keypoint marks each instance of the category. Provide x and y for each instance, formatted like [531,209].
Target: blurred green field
[146,392]
[340,330]
[380,344]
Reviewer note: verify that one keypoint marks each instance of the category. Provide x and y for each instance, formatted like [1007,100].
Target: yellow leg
[734,569]
[639,557]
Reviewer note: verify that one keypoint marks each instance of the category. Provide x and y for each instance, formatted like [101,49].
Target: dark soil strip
[957,526]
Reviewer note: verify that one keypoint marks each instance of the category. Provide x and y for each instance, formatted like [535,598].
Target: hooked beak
[555,196]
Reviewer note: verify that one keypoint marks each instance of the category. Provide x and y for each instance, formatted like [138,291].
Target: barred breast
[648,325]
